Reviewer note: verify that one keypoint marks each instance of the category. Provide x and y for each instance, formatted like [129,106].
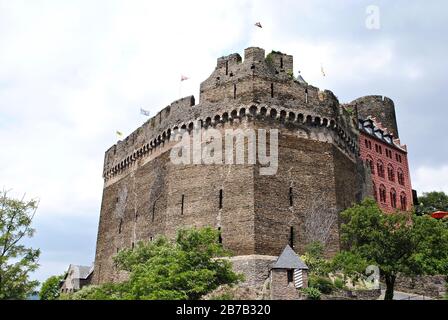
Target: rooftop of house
[372,127]
[289,260]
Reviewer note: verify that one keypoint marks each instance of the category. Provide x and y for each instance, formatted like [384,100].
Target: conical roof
[289,260]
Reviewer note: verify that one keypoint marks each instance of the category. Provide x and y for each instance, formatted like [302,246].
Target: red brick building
[388,163]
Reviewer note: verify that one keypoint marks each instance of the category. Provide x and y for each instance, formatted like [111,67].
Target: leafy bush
[314,259]
[187,268]
[312,293]
[224,296]
[339,283]
[50,288]
[103,292]
[324,285]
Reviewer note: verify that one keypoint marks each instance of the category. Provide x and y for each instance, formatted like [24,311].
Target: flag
[119,133]
[183,78]
[322,70]
[258,24]
[144,112]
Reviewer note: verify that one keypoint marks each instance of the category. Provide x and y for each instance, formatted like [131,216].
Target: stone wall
[281,289]
[432,286]
[255,269]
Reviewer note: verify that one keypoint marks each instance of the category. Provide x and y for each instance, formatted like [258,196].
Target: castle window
[272,90]
[306,95]
[400,176]
[120,226]
[220,199]
[382,194]
[219,235]
[182,204]
[393,198]
[291,237]
[290,197]
[403,201]
[153,211]
[227,67]
[369,163]
[133,245]
[290,275]
[281,63]
[367,143]
[234,91]
[390,173]
[375,192]
[380,169]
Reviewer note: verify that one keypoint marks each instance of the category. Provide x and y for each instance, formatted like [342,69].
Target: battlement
[258,77]
[153,129]
[260,86]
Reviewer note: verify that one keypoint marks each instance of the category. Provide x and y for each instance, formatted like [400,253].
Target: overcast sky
[74,72]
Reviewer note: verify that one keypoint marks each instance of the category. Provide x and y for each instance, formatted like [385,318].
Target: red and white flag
[183,78]
[258,24]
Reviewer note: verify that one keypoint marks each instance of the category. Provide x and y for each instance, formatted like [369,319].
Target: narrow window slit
[220,199]
[182,205]
[291,237]
[291,202]
[219,235]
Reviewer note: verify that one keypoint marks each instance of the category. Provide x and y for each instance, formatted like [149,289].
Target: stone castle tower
[319,170]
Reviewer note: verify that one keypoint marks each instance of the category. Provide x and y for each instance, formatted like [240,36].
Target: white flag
[144,112]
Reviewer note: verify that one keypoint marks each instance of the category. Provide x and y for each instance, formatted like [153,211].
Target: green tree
[50,288]
[396,243]
[315,260]
[430,202]
[16,260]
[187,268]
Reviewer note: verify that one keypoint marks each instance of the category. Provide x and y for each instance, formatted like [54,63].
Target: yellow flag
[119,134]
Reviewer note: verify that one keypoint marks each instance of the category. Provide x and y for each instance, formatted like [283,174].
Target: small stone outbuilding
[75,278]
[288,274]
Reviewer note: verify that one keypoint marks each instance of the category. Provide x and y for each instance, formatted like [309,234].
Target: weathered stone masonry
[320,173]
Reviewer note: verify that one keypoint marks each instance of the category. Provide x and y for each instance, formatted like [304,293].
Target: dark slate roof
[374,129]
[84,271]
[79,272]
[300,79]
[289,260]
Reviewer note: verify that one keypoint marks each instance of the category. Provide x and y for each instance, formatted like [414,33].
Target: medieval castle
[324,166]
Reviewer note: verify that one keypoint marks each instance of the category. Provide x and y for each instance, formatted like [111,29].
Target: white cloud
[426,179]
